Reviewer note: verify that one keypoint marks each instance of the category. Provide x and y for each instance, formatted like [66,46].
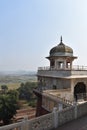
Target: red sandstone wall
[39,110]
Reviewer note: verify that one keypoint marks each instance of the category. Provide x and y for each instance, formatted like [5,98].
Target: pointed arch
[79,90]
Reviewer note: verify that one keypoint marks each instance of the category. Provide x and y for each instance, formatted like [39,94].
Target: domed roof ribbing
[61,49]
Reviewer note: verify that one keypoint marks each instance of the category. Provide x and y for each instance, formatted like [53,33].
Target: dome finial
[61,39]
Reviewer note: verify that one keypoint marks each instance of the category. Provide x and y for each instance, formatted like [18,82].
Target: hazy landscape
[13,79]
[17,87]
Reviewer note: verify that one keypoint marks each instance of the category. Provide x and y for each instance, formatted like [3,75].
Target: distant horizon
[17,72]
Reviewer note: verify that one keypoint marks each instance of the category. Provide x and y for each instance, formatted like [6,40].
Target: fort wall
[51,120]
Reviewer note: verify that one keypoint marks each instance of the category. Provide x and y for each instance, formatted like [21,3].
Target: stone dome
[61,50]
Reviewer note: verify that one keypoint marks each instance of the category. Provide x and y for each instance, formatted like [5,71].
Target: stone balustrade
[64,73]
[50,121]
[74,67]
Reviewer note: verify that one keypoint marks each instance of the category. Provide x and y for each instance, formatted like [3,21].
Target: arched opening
[80,91]
[60,65]
[68,65]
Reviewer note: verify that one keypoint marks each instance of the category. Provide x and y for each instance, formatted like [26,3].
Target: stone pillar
[56,64]
[75,106]
[64,64]
[55,117]
[72,86]
[71,65]
[60,106]
[25,123]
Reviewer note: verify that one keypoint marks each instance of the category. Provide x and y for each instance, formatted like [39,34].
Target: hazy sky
[30,28]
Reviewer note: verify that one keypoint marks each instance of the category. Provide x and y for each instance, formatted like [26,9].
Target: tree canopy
[4,88]
[8,107]
[26,90]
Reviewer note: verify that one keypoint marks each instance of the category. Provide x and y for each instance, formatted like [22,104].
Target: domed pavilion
[61,56]
[60,84]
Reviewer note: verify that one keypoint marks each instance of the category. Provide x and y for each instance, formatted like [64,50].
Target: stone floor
[78,124]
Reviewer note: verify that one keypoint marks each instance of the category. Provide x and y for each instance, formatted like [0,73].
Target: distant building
[61,83]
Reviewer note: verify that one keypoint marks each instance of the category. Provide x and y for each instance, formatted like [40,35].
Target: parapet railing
[78,67]
[15,126]
[68,102]
[45,122]
[75,67]
[50,121]
[64,101]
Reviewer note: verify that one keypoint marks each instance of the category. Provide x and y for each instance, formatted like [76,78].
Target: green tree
[14,94]
[26,90]
[22,85]
[4,88]
[8,107]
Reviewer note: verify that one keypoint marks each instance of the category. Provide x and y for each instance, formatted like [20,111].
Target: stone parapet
[50,121]
[62,73]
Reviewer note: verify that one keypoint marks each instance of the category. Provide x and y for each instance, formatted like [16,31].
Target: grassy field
[14,81]
[12,85]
